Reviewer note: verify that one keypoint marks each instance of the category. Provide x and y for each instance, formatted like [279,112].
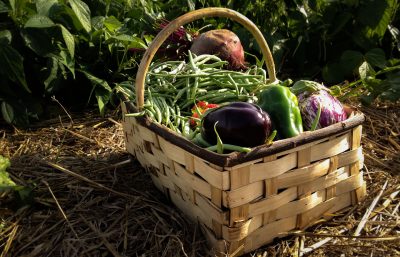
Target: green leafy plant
[374,82]
[5,181]
[330,41]
[20,195]
[58,48]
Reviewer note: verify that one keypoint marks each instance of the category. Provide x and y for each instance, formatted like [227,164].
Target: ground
[84,195]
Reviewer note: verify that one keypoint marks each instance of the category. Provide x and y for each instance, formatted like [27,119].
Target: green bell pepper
[282,106]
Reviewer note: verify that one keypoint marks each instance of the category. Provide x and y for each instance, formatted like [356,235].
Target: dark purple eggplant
[239,123]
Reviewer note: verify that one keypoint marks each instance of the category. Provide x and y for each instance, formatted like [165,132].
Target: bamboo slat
[243,201]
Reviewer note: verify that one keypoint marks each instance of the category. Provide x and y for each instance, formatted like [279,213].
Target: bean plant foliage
[86,53]
[331,41]
[67,50]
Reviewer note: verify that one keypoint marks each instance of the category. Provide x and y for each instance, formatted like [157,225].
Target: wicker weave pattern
[246,202]
[250,204]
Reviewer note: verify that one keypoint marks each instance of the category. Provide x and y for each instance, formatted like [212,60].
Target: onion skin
[239,123]
[223,43]
[332,110]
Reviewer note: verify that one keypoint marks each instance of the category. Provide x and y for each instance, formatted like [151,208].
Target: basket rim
[236,158]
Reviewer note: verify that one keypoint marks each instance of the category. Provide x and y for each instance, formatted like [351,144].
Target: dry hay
[90,198]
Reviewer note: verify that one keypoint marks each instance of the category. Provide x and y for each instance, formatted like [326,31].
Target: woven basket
[245,200]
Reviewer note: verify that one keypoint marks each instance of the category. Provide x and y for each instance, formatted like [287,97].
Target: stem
[316,120]
[230,147]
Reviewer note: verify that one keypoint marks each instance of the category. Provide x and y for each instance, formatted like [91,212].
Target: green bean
[194,89]
[234,84]
[230,147]
[150,114]
[201,59]
[172,127]
[158,114]
[166,111]
[177,116]
[173,87]
[199,140]
[228,98]
[159,109]
[135,114]
[179,95]
[210,66]
[185,127]
[192,65]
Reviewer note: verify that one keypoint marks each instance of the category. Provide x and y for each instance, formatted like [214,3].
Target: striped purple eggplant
[332,110]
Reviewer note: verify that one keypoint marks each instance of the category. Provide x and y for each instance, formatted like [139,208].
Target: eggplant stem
[271,137]
[316,120]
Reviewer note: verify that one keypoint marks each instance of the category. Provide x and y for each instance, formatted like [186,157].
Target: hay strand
[115,210]
[369,211]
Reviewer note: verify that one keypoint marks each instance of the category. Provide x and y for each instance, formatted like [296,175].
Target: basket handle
[187,18]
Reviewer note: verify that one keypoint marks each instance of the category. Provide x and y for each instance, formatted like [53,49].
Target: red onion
[223,43]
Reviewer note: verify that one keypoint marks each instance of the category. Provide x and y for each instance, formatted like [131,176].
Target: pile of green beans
[173,87]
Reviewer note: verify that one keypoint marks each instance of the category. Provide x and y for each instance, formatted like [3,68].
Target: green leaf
[39,21]
[53,72]
[367,99]
[350,60]
[101,103]
[12,67]
[63,14]
[39,41]
[148,39]
[82,12]
[67,61]
[43,6]
[377,15]
[13,4]
[131,40]
[191,4]
[333,73]
[376,57]
[5,37]
[365,70]
[7,112]
[5,180]
[3,7]
[4,163]
[392,93]
[69,40]
[103,98]
[395,32]
[112,23]
[98,22]
[24,195]
[97,81]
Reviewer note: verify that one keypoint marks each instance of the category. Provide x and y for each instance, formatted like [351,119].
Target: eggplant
[332,110]
[238,123]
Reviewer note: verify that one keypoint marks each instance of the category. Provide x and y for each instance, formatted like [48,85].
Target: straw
[97,199]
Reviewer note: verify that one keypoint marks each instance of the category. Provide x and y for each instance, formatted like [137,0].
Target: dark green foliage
[58,48]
